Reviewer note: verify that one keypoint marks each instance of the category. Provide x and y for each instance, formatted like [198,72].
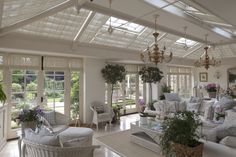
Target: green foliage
[31,87]
[181,129]
[74,95]
[151,74]
[113,73]
[16,87]
[3,96]
[22,105]
[165,89]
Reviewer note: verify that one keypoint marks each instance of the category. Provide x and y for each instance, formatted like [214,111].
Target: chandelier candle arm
[206,61]
[153,53]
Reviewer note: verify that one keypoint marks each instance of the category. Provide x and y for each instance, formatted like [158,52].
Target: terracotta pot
[185,151]
[212,94]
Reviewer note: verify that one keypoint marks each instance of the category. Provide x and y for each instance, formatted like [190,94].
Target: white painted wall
[93,86]
[223,69]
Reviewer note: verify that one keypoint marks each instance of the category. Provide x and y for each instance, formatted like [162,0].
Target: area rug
[120,143]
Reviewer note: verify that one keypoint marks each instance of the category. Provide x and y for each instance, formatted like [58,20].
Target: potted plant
[113,74]
[211,90]
[180,136]
[164,89]
[150,75]
[2,95]
[143,118]
[30,118]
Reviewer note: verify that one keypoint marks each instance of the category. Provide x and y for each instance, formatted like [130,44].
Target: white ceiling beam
[84,26]
[118,14]
[1,11]
[46,13]
[194,50]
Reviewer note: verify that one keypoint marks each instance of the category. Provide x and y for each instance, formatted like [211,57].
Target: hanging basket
[212,94]
[185,151]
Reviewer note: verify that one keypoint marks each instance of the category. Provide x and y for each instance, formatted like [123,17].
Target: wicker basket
[184,151]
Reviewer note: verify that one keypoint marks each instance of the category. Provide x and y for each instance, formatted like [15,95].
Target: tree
[151,75]
[113,74]
[74,95]
[31,87]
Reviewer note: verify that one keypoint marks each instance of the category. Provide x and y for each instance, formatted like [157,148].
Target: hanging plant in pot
[151,75]
[112,75]
[180,136]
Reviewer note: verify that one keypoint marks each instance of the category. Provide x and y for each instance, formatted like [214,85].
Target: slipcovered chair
[101,113]
[32,149]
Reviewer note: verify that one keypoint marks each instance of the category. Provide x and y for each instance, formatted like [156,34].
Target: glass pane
[54,90]
[140,88]
[130,89]
[74,95]
[59,101]
[24,92]
[117,96]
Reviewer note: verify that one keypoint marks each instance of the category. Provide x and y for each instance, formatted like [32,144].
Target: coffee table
[146,135]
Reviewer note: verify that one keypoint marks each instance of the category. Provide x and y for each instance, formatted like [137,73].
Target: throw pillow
[172,106]
[226,103]
[172,96]
[209,113]
[51,140]
[45,130]
[194,107]
[182,106]
[194,99]
[50,117]
[229,141]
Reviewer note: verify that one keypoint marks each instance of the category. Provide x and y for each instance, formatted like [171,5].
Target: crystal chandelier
[153,53]
[205,60]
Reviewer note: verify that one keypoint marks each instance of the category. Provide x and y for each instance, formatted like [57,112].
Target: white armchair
[101,113]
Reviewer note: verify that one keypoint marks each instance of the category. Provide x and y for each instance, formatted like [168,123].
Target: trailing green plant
[151,75]
[3,96]
[165,89]
[181,129]
[113,74]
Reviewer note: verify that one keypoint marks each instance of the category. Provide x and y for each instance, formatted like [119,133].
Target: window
[125,25]
[189,43]
[23,91]
[130,91]
[74,94]
[54,90]
[180,80]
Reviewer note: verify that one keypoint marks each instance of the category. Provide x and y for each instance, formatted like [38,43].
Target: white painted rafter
[84,26]
[53,10]
[192,51]
[1,11]
[118,14]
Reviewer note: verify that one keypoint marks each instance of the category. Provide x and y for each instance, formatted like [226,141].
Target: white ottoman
[74,136]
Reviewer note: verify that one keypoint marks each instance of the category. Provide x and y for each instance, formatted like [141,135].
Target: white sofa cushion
[172,97]
[230,117]
[193,107]
[50,140]
[226,103]
[229,141]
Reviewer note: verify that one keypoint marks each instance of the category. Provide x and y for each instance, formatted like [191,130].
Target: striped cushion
[50,117]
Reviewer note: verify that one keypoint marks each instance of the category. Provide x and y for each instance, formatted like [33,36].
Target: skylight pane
[188,42]
[125,25]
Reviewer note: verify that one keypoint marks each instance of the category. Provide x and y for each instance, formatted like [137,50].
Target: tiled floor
[11,149]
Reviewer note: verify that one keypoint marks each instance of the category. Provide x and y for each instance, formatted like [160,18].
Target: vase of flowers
[30,118]
[211,90]
[141,104]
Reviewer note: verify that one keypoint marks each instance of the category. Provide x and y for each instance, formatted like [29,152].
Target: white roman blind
[24,61]
[75,64]
[131,68]
[55,63]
